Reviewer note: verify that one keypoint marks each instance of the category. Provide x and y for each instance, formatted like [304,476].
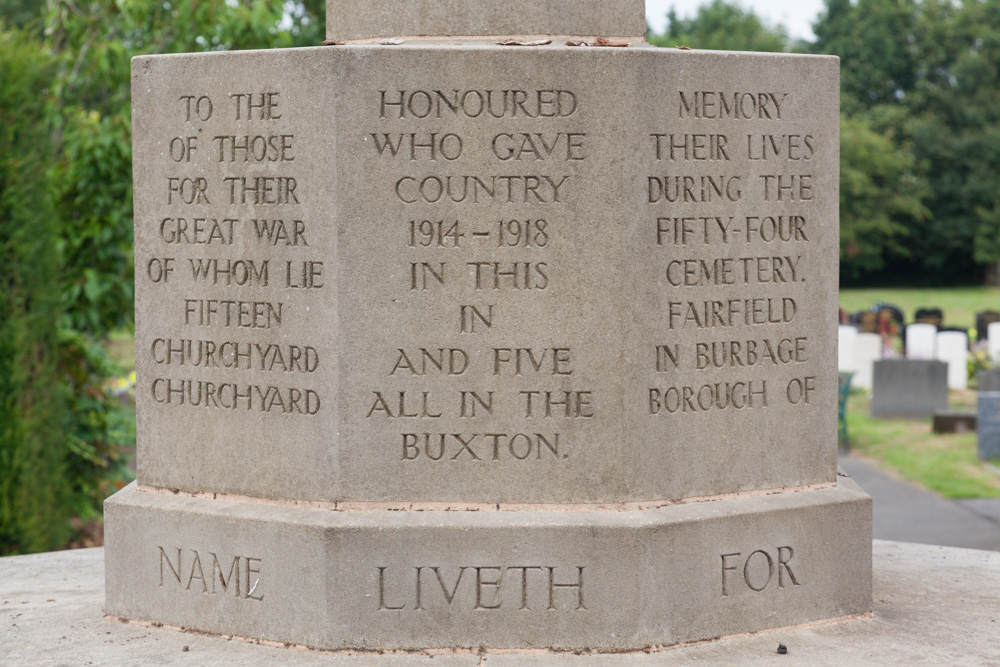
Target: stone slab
[932,605]
[909,387]
[514,580]
[664,357]
[951,421]
[371,19]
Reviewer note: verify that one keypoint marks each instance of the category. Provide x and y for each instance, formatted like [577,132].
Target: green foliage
[723,26]
[95,42]
[22,14]
[94,201]
[66,234]
[99,431]
[879,195]
[877,41]
[931,71]
[33,495]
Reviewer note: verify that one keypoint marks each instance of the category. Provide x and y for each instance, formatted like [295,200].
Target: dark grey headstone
[988,380]
[983,321]
[909,388]
[947,421]
[989,425]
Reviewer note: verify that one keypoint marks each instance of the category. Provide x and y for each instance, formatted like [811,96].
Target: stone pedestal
[608,579]
[451,344]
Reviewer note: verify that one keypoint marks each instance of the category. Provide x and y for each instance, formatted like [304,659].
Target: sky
[796,15]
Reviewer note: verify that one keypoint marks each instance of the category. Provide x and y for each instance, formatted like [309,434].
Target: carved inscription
[732,280]
[481,587]
[482,178]
[244,277]
[208,573]
[758,571]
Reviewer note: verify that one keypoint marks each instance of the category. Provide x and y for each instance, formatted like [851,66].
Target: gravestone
[988,380]
[868,322]
[952,347]
[847,337]
[909,388]
[932,316]
[890,312]
[921,341]
[983,320]
[443,343]
[867,350]
[993,341]
[988,426]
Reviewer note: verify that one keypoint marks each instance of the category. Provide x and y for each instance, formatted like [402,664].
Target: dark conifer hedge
[34,498]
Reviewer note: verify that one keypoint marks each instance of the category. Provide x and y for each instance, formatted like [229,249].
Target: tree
[880,198]
[22,15]
[877,44]
[95,42]
[724,26]
[66,234]
[927,76]
[956,136]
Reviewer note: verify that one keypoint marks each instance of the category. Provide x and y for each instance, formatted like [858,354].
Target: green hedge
[35,498]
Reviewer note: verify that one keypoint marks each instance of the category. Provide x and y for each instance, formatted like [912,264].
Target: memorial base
[560,579]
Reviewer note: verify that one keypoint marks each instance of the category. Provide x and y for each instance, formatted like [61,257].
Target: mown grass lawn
[959,304]
[945,463]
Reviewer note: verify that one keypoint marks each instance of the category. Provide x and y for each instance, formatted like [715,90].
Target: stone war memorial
[484,326]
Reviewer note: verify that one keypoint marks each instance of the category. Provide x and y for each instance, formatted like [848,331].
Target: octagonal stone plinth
[477,274]
[506,580]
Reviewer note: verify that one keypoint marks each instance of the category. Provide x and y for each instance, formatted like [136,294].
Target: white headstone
[867,350]
[846,337]
[993,340]
[953,348]
[920,341]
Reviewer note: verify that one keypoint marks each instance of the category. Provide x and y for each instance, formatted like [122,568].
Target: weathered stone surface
[627,262]
[909,387]
[369,19]
[592,579]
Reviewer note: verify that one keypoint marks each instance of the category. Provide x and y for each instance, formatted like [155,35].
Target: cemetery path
[906,512]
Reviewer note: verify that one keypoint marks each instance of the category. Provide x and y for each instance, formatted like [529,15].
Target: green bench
[843,390]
